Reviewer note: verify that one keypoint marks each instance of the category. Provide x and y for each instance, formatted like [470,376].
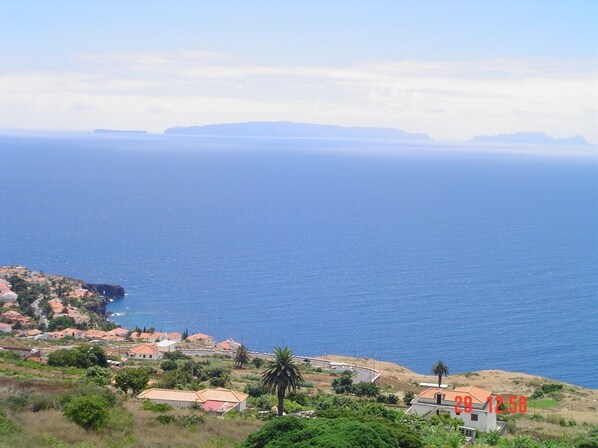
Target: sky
[451,69]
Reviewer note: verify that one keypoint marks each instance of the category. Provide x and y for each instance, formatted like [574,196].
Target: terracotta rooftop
[171,395]
[478,395]
[145,349]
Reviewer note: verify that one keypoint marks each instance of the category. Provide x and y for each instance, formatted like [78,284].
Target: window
[474,417]
[438,399]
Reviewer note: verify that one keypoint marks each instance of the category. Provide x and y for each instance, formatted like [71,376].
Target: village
[47,317]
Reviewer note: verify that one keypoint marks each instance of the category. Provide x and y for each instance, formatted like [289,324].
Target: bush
[168,365]
[166,419]
[332,433]
[392,399]
[257,362]
[98,375]
[132,379]
[366,389]
[87,412]
[408,397]
[41,403]
[155,407]
[254,390]
[81,357]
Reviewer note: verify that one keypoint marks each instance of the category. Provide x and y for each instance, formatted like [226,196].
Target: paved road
[39,314]
[363,374]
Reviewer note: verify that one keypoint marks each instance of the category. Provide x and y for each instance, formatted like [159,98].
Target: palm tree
[282,374]
[241,356]
[440,369]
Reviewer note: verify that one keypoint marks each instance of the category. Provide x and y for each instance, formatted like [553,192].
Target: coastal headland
[43,313]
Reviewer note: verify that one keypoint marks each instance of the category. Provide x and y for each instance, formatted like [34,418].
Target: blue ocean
[484,258]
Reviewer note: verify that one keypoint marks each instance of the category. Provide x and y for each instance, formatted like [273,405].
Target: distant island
[118,131]
[530,138]
[290,129]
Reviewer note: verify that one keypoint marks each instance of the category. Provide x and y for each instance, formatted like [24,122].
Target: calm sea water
[404,253]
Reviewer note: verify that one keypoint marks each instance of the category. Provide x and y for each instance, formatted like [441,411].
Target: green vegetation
[82,357]
[287,432]
[132,379]
[241,356]
[87,411]
[408,397]
[440,369]
[282,374]
[155,407]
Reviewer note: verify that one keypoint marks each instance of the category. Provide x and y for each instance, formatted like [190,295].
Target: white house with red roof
[434,401]
[219,401]
[145,351]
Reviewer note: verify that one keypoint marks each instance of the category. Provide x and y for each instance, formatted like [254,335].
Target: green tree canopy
[440,369]
[282,373]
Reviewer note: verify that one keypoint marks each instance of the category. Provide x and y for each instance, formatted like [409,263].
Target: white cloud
[448,100]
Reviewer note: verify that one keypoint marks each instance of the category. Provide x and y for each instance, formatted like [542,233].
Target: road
[363,374]
[39,314]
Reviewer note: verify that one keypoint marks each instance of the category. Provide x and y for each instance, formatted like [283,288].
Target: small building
[121,332]
[166,345]
[200,340]
[145,351]
[6,293]
[435,400]
[219,401]
[5,328]
[174,336]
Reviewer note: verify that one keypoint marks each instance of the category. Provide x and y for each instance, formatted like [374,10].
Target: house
[201,340]
[56,306]
[148,337]
[5,328]
[122,332]
[435,400]
[219,401]
[6,293]
[145,351]
[177,337]
[166,346]
[32,333]
[228,345]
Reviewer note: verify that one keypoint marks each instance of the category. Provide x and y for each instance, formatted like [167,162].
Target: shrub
[81,357]
[166,419]
[168,365]
[87,412]
[98,375]
[41,403]
[392,399]
[366,389]
[408,397]
[254,390]
[257,362]
[155,407]
[134,379]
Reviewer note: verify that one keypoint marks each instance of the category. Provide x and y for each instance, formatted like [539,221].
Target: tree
[241,356]
[282,374]
[169,364]
[408,397]
[257,362]
[60,323]
[134,379]
[440,369]
[98,375]
[87,411]
[344,383]
[364,389]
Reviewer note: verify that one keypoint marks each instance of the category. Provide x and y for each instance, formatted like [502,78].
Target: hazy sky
[451,69]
